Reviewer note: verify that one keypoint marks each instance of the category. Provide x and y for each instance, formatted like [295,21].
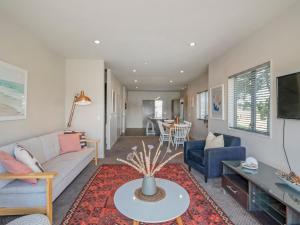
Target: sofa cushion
[196,156]
[10,150]
[19,187]
[83,141]
[13,166]
[69,143]
[24,156]
[50,145]
[22,200]
[35,147]
[68,166]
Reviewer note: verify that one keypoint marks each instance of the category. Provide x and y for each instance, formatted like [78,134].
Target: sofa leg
[190,168]
[205,179]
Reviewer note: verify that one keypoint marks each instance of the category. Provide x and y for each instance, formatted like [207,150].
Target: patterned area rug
[95,205]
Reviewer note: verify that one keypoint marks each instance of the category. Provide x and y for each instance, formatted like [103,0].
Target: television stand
[262,193]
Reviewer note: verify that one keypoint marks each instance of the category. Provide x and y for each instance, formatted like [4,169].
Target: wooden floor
[135,132]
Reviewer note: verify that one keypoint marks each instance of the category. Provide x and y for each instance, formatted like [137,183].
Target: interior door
[148,110]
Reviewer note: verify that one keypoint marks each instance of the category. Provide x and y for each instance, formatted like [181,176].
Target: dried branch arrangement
[146,162]
[291,177]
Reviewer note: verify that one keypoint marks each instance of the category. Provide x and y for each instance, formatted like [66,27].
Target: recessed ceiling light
[134,70]
[192,44]
[145,63]
[135,81]
[136,87]
[171,81]
[97,42]
[181,71]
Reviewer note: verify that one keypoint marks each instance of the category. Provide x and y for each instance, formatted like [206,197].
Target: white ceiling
[133,32]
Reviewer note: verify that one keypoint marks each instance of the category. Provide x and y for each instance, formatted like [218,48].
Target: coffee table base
[178,220]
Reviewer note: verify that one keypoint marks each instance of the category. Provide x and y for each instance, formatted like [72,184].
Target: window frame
[198,105]
[253,130]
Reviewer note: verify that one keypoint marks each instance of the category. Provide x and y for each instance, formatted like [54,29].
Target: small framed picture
[217,102]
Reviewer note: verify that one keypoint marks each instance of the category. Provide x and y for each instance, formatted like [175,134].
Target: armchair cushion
[193,145]
[197,156]
[213,141]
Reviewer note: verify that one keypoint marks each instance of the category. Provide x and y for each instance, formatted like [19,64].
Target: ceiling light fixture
[97,42]
[136,87]
[171,81]
[134,70]
[146,63]
[192,44]
[181,71]
[135,81]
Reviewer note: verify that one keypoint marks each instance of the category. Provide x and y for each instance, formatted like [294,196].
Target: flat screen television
[288,96]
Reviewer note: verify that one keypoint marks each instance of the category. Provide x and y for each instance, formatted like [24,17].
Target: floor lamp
[79,99]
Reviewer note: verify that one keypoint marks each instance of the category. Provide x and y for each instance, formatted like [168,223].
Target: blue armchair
[209,162]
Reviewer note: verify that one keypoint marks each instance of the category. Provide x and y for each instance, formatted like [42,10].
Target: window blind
[202,105]
[249,100]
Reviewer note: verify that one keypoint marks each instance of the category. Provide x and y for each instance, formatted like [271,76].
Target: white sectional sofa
[18,197]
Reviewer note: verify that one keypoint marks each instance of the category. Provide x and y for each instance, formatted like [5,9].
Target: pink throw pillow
[15,167]
[69,143]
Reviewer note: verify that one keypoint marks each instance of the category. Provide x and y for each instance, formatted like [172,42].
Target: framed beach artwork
[217,102]
[13,92]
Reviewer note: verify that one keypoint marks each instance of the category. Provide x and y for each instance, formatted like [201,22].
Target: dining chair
[189,124]
[164,136]
[150,128]
[180,134]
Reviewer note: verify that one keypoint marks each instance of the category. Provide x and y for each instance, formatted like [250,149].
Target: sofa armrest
[96,143]
[44,175]
[193,145]
[213,158]
[48,176]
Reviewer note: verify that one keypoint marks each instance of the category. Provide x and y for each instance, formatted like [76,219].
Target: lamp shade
[82,99]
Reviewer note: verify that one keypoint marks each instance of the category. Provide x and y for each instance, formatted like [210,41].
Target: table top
[175,203]
[265,178]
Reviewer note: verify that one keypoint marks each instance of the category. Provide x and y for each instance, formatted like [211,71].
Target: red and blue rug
[95,204]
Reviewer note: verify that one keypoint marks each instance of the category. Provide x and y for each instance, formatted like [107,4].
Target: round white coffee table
[175,203]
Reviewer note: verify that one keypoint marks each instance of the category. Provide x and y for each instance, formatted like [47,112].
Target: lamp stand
[72,112]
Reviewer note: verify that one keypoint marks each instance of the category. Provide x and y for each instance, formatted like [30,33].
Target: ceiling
[151,36]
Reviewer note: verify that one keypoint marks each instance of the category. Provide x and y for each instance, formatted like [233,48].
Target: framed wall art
[13,92]
[217,102]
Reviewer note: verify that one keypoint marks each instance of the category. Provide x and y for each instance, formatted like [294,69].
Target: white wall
[45,97]
[279,42]
[87,75]
[134,113]
[114,119]
[199,129]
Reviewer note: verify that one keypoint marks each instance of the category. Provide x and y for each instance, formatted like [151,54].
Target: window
[249,100]
[202,105]
[158,104]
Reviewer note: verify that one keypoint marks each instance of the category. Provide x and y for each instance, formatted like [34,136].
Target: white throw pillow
[24,156]
[213,141]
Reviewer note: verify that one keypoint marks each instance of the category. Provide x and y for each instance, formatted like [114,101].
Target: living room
[165,73]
